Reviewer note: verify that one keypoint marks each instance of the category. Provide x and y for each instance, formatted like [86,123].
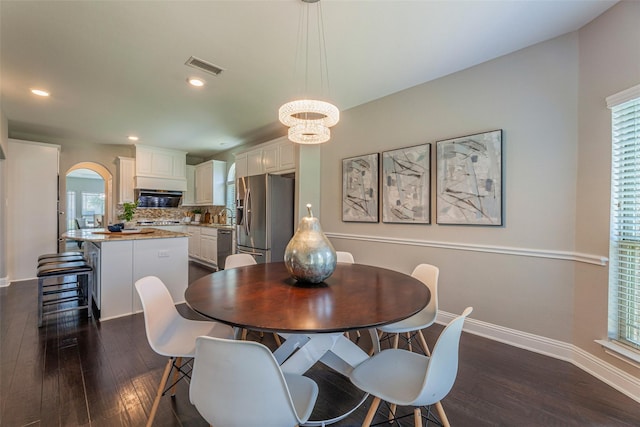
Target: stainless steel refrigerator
[264,212]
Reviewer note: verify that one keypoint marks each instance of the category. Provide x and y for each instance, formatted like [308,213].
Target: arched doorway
[85,198]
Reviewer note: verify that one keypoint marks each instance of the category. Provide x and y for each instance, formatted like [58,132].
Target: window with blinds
[624,252]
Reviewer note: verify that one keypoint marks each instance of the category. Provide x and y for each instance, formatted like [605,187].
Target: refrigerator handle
[248,208]
[240,251]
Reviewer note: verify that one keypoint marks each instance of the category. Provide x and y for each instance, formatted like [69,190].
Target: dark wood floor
[79,372]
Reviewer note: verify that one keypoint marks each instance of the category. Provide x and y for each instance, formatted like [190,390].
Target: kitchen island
[119,259]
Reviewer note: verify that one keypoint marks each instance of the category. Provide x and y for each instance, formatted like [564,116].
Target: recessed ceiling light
[39,92]
[195,82]
[133,138]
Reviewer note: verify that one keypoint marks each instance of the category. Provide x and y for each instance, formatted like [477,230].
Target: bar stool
[61,259]
[72,282]
[60,254]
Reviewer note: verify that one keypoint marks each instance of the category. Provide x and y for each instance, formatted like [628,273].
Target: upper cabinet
[241,165]
[126,171]
[276,156]
[189,196]
[159,168]
[210,183]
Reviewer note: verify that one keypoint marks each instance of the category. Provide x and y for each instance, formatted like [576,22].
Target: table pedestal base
[301,351]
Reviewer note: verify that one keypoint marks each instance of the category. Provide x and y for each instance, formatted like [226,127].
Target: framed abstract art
[469,180]
[406,185]
[360,188]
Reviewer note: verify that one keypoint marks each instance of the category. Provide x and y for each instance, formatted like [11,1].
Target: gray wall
[609,63]
[556,169]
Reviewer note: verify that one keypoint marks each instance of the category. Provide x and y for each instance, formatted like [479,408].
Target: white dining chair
[238,260]
[242,260]
[171,335]
[239,383]
[404,378]
[412,326]
[342,256]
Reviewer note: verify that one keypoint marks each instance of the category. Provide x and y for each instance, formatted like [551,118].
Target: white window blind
[624,252]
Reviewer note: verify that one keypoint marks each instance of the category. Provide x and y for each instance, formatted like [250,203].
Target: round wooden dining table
[311,317]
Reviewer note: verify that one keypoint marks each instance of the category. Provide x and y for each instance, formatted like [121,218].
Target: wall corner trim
[605,372]
[4,282]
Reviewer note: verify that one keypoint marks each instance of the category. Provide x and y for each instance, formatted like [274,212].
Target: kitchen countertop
[224,226]
[97,235]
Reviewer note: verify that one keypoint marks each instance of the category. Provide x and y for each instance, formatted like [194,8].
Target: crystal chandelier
[309,120]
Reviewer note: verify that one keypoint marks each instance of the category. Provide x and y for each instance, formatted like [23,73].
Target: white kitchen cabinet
[126,172]
[210,183]
[270,158]
[194,241]
[189,196]
[287,155]
[160,166]
[241,165]
[209,245]
[276,156]
[254,163]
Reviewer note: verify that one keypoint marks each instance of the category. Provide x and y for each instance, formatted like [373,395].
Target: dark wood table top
[265,297]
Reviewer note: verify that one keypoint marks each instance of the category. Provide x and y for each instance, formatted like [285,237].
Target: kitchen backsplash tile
[173,213]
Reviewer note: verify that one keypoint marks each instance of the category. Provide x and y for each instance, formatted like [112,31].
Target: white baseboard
[605,372]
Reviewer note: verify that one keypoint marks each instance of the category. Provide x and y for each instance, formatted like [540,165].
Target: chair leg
[277,338]
[372,412]
[409,341]
[163,382]
[244,335]
[442,415]
[176,375]
[417,417]
[423,343]
[396,338]
[392,412]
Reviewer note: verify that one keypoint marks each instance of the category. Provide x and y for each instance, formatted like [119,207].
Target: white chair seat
[179,338]
[393,375]
[420,320]
[304,392]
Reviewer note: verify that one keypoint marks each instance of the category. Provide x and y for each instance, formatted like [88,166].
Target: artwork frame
[469,180]
[360,188]
[406,185]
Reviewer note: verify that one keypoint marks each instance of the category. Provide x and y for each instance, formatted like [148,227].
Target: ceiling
[117,68]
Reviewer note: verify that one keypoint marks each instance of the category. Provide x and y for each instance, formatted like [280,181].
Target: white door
[32,210]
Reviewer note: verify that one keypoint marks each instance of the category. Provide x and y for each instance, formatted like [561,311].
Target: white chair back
[428,274]
[238,260]
[443,364]
[160,313]
[344,257]
[239,383]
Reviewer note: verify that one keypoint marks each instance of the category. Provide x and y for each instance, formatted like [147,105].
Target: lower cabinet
[203,244]
[209,245]
[118,264]
[194,241]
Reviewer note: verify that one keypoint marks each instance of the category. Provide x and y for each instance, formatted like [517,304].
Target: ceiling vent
[204,66]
